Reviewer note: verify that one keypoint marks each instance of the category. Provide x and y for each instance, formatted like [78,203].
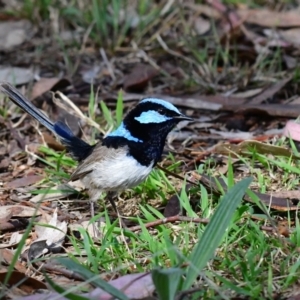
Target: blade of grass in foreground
[214,232]
[92,278]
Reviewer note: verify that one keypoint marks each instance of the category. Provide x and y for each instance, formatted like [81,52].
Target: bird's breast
[117,173]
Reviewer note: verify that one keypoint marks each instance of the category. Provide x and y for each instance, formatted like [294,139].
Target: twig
[172,219]
[76,110]
[57,270]
[108,64]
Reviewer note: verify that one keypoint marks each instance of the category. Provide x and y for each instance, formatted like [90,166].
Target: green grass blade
[96,281]
[92,103]
[166,282]
[106,114]
[119,108]
[214,231]
[62,291]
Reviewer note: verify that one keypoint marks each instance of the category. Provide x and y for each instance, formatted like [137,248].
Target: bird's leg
[93,198]
[111,196]
[92,208]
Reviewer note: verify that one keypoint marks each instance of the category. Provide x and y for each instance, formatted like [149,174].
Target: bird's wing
[99,154]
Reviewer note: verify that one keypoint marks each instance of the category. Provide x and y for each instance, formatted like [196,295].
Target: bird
[124,157]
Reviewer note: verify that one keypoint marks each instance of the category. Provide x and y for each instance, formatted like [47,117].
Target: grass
[232,255]
[248,261]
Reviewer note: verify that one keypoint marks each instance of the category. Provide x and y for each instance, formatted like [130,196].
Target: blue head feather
[166,104]
[122,131]
[151,116]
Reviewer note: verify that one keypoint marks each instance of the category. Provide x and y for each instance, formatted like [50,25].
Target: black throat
[144,153]
[150,147]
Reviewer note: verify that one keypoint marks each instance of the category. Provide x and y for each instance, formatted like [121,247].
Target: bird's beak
[183,118]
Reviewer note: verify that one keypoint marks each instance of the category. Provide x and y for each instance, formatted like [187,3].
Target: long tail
[78,148]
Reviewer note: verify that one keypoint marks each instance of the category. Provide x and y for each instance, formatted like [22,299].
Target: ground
[218,217]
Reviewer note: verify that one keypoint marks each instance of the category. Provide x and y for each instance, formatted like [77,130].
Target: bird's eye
[161,111]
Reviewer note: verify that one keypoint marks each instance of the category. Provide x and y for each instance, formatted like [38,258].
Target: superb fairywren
[125,157]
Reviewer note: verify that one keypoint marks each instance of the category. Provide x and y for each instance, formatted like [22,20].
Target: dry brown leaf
[201,25]
[50,237]
[247,94]
[244,147]
[16,75]
[18,211]
[269,18]
[206,10]
[28,284]
[270,91]
[139,77]
[14,33]
[55,193]
[292,130]
[14,240]
[278,203]
[48,84]
[42,86]
[6,257]
[25,181]
[291,35]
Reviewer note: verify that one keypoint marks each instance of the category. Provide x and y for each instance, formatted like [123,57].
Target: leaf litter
[244,84]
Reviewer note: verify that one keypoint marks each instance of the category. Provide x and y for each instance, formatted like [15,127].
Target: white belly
[116,175]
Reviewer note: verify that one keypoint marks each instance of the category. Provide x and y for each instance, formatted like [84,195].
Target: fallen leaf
[42,86]
[248,93]
[50,234]
[14,240]
[25,181]
[51,141]
[275,110]
[283,229]
[291,35]
[233,135]
[173,207]
[54,193]
[292,130]
[139,77]
[14,33]
[88,226]
[206,10]
[16,75]
[26,284]
[218,103]
[134,286]
[18,211]
[270,91]
[7,256]
[201,25]
[278,203]
[244,147]
[269,18]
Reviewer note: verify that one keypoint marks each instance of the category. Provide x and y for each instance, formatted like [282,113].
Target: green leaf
[63,292]
[215,231]
[92,103]
[106,113]
[166,282]
[92,278]
[119,108]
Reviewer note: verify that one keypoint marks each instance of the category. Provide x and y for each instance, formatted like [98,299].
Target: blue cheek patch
[121,131]
[163,103]
[151,116]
